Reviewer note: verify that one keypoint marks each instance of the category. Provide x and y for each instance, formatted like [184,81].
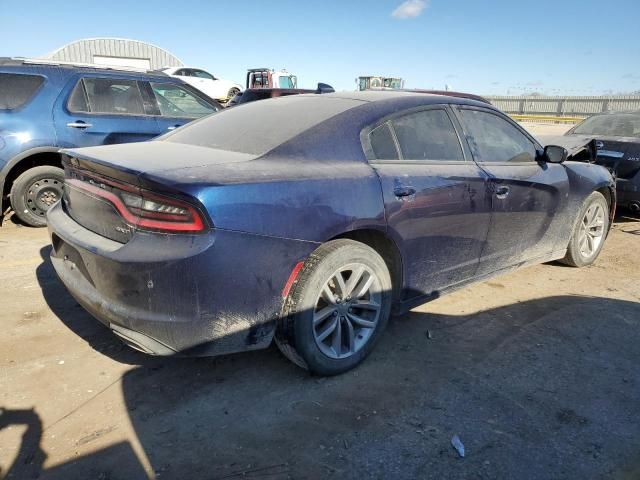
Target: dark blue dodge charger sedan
[311,219]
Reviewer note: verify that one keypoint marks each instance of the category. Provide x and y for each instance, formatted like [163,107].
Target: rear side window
[108,96]
[175,101]
[258,127]
[611,125]
[493,139]
[382,143]
[16,89]
[78,99]
[427,135]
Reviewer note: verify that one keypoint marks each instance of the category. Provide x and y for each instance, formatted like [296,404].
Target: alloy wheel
[591,231]
[347,311]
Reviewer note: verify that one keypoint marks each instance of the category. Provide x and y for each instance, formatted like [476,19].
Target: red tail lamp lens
[141,208]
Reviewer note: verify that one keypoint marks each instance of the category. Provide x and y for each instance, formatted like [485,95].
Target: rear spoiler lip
[81,161]
[72,160]
[87,166]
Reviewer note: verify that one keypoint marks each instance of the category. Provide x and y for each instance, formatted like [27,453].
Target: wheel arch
[19,164]
[609,193]
[387,248]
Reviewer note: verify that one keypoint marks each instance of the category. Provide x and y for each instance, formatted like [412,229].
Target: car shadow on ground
[625,218]
[547,388]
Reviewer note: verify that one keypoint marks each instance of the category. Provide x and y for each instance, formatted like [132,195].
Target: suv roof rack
[61,63]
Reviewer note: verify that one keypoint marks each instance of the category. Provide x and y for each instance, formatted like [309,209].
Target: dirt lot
[536,371]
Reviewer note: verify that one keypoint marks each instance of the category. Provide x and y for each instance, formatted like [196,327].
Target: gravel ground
[535,371]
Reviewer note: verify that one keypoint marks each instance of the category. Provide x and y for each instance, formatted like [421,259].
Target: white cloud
[410,9]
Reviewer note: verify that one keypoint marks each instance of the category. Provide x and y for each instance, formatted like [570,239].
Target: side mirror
[555,154]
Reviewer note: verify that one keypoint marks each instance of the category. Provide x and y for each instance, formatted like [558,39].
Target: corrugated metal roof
[83,51]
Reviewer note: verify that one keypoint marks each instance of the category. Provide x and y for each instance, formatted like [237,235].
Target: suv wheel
[33,193]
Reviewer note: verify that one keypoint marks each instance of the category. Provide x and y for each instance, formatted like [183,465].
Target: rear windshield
[258,127]
[17,89]
[617,125]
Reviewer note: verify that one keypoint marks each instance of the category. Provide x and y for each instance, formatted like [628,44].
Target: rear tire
[33,193]
[589,232]
[337,308]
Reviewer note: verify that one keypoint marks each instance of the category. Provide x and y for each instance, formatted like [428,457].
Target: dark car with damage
[617,139]
[310,219]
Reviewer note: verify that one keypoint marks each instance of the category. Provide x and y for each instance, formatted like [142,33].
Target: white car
[211,86]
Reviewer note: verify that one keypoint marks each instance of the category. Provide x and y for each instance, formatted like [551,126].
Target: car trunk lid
[101,180]
[620,155]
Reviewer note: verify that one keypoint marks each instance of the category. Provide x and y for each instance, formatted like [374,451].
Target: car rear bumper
[204,294]
[628,190]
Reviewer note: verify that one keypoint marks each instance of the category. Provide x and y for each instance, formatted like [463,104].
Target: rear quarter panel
[30,126]
[311,201]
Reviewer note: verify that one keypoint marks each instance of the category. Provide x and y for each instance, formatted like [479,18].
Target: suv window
[493,139]
[427,135]
[78,99]
[107,95]
[17,89]
[175,101]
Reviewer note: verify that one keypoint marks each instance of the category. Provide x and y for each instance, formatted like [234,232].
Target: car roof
[371,96]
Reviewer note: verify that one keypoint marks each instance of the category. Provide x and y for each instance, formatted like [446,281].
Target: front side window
[427,135]
[493,139]
[17,89]
[110,96]
[176,101]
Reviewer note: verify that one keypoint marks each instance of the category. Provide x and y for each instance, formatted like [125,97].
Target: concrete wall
[564,106]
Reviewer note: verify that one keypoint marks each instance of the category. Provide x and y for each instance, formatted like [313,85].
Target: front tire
[337,308]
[33,193]
[589,232]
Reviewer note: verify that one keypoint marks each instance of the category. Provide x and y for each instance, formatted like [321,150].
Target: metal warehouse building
[117,52]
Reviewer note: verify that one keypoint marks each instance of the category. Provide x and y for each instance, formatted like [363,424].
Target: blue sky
[586,47]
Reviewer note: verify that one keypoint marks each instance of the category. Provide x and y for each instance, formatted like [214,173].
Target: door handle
[502,192]
[79,124]
[402,191]
[173,127]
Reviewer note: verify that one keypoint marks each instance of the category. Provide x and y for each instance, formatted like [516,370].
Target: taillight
[142,208]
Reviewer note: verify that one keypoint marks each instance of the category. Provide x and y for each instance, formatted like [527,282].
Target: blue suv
[45,107]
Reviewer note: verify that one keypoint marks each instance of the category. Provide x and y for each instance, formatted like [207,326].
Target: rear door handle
[173,127]
[502,192]
[402,191]
[79,124]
